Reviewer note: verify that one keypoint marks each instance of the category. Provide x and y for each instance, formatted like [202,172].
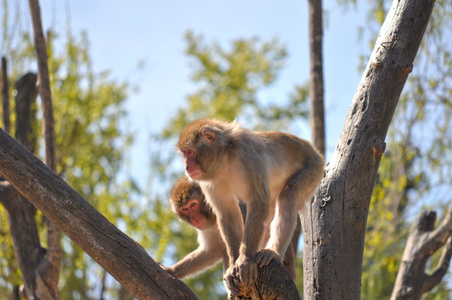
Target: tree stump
[273,282]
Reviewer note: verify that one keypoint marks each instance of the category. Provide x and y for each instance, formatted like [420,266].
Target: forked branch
[423,242]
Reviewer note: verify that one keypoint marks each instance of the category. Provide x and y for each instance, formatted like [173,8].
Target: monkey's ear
[208,135]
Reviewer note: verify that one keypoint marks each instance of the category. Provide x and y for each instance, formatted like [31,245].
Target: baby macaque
[188,202]
[274,173]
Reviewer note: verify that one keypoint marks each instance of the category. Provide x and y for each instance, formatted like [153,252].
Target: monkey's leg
[299,189]
[284,222]
[290,258]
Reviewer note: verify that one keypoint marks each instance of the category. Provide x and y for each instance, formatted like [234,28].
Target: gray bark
[317,114]
[44,84]
[334,222]
[50,270]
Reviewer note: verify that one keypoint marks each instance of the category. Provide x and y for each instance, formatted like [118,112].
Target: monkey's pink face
[193,211]
[192,168]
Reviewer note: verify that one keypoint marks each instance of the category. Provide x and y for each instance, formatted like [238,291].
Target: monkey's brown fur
[211,247]
[274,173]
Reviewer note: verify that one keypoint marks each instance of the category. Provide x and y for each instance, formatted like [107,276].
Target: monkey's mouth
[199,223]
[193,174]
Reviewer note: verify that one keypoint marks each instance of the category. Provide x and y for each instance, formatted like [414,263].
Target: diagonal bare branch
[433,280]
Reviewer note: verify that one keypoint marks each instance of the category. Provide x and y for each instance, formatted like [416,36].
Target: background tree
[30,254]
[89,109]
[317,113]
[49,269]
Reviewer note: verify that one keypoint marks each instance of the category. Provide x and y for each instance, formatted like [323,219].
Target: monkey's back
[289,147]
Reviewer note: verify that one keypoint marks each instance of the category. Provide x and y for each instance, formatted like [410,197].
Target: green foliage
[89,110]
[16,41]
[387,230]
[230,80]
[279,117]
[299,270]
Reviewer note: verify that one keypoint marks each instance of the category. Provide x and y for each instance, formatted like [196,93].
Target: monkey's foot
[169,270]
[229,276]
[247,269]
[265,256]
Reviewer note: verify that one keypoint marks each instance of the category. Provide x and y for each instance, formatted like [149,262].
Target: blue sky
[123,33]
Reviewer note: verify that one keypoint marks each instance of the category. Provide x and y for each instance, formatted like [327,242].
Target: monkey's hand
[229,276]
[265,256]
[247,269]
[169,270]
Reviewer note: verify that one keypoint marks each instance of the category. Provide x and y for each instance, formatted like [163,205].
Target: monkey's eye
[189,152]
[192,204]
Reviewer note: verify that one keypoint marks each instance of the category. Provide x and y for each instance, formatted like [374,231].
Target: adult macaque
[272,172]
[188,202]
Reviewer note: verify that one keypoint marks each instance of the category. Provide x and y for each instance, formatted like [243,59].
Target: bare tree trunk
[16,293]
[334,223]
[44,85]
[25,111]
[50,270]
[5,87]
[316,91]
[103,285]
[317,114]
[423,242]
